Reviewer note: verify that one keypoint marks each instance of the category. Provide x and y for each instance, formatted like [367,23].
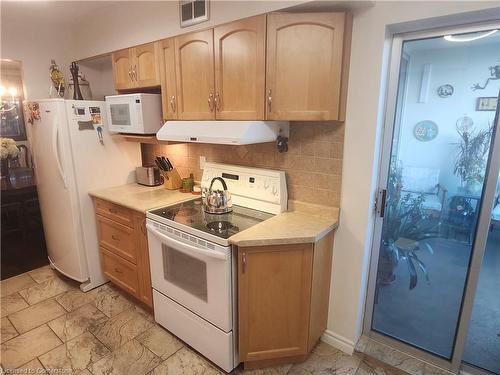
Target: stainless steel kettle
[217,201]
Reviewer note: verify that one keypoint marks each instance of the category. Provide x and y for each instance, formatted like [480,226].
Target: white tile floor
[49,326]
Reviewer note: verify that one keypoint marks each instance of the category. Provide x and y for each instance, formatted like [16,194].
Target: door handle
[217,101]
[269,100]
[210,102]
[383,198]
[55,151]
[172,103]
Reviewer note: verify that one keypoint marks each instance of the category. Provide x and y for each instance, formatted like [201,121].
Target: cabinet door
[145,293]
[146,65]
[167,71]
[194,57]
[304,66]
[240,69]
[274,284]
[122,70]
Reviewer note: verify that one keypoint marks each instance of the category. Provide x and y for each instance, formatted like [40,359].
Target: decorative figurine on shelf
[77,94]
[494,75]
[57,78]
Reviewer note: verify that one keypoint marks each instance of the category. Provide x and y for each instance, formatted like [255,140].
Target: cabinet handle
[217,101]
[172,103]
[115,237]
[269,99]
[118,270]
[134,72]
[244,262]
[112,210]
[130,73]
[210,102]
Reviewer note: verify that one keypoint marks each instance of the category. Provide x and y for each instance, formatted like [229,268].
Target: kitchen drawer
[117,238]
[115,212]
[119,271]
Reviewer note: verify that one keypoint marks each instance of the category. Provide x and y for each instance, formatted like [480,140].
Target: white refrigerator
[74,154]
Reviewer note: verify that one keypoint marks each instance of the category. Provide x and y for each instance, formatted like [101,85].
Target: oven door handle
[182,245]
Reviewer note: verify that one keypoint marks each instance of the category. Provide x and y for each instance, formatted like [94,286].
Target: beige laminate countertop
[302,223]
[141,198]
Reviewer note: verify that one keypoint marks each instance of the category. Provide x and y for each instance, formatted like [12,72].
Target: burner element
[219,226]
[186,211]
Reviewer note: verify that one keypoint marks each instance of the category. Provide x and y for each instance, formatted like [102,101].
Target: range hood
[223,132]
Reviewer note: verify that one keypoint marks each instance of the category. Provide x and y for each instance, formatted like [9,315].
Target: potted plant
[9,150]
[406,224]
[470,163]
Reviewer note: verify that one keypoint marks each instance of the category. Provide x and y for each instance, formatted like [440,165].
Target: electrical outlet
[203,159]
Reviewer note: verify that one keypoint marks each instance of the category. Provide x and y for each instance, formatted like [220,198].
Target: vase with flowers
[8,151]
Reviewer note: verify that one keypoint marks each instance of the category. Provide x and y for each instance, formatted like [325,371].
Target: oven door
[193,272]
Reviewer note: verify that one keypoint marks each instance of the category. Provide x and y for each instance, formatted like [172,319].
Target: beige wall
[313,163]
[35,43]
[128,23]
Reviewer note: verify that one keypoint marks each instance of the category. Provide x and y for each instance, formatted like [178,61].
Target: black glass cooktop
[191,213]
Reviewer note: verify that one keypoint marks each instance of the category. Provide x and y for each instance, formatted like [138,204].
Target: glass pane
[441,143]
[120,114]
[482,347]
[185,272]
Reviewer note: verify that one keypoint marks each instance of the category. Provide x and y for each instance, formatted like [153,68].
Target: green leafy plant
[473,149]
[406,225]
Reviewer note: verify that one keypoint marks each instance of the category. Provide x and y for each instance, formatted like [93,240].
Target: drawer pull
[117,270]
[115,237]
[112,210]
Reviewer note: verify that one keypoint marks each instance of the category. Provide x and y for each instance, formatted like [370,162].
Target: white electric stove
[193,268]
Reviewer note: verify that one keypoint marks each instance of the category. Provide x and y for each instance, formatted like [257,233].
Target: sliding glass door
[482,348]
[436,200]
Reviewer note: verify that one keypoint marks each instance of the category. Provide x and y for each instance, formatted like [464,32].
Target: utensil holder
[172,178]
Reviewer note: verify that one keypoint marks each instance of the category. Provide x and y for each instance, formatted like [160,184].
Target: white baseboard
[338,341]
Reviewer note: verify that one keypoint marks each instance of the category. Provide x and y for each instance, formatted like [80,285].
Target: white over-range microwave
[134,113]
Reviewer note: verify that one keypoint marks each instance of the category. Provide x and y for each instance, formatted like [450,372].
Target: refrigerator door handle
[55,151]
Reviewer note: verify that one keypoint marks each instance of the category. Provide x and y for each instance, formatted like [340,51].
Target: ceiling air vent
[193,11]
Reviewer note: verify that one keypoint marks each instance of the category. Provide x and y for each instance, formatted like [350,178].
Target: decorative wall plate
[445,91]
[425,131]
[464,124]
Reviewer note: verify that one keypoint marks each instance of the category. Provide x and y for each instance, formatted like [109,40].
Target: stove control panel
[260,189]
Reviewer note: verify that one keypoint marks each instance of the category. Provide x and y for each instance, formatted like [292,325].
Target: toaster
[148,176]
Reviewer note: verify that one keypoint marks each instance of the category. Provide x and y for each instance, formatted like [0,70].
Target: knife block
[172,179]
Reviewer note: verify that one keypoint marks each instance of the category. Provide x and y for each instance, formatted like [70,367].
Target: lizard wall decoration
[495,74]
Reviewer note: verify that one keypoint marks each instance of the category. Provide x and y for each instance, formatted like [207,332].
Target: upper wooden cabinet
[240,69]
[168,84]
[307,63]
[194,61]
[122,70]
[137,67]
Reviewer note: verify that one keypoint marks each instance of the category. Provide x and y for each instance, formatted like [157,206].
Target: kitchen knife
[163,165]
[167,164]
[158,164]
[170,164]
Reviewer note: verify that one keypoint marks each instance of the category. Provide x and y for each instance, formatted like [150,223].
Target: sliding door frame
[489,188]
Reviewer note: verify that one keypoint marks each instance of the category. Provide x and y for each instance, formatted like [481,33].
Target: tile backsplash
[313,163]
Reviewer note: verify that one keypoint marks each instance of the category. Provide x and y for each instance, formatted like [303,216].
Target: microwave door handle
[184,246]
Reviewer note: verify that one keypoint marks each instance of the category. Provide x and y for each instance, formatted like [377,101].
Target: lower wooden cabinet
[123,247]
[283,298]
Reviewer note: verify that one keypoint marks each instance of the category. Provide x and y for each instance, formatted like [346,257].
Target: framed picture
[425,131]
[486,104]
[192,12]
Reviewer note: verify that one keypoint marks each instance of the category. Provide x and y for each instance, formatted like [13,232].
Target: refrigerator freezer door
[57,191]
[100,160]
